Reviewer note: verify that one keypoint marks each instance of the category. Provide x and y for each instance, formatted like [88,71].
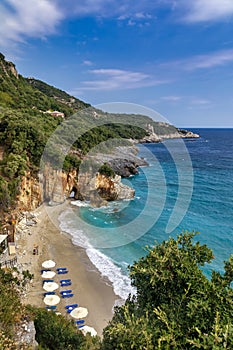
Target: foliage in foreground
[55,332]
[176,306]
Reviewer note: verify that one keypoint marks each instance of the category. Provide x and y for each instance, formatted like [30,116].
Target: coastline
[90,289]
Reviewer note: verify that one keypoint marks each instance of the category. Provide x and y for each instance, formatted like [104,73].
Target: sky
[172,56]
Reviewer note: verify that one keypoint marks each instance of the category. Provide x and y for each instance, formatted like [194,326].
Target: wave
[105,265]
[78,203]
[121,283]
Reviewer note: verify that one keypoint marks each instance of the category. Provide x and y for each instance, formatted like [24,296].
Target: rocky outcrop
[172,133]
[112,188]
[100,189]
[25,335]
[8,67]
[123,160]
[186,134]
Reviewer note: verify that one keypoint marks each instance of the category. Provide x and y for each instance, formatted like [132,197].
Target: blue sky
[175,57]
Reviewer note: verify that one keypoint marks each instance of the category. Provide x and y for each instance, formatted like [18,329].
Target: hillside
[30,112]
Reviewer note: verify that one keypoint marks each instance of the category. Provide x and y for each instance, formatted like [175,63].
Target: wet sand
[90,289]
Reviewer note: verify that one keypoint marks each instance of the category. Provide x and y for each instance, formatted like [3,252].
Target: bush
[55,332]
[106,170]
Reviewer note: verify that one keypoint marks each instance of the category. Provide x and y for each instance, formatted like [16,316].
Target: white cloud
[115,79]
[207,61]
[171,98]
[28,18]
[200,101]
[214,59]
[88,63]
[207,10]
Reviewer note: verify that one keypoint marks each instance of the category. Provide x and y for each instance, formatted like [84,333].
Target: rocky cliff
[161,135]
[55,186]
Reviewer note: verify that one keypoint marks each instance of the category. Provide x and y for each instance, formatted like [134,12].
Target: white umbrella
[48,264]
[48,274]
[50,286]
[88,329]
[79,312]
[51,300]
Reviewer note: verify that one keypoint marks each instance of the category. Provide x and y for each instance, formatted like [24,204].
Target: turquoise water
[210,210]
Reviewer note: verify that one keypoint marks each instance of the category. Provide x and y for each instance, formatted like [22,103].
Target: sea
[187,185]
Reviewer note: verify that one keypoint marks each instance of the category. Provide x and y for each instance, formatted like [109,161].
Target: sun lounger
[49,293]
[65,281]
[61,268]
[66,284]
[66,291]
[80,322]
[81,326]
[62,272]
[68,295]
[45,271]
[51,307]
[47,281]
[71,306]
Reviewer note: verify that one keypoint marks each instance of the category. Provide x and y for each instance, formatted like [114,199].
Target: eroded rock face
[25,335]
[100,189]
[112,188]
[30,196]
[55,187]
[58,185]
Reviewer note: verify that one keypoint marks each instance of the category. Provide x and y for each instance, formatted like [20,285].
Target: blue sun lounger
[49,293]
[66,291]
[47,281]
[73,306]
[61,281]
[70,308]
[66,284]
[51,307]
[79,322]
[61,268]
[62,272]
[68,295]
[45,271]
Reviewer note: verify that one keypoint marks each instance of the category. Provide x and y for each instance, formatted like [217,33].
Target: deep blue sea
[188,185]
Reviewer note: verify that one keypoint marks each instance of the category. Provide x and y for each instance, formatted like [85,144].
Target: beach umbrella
[88,329]
[48,274]
[48,264]
[51,300]
[50,286]
[79,312]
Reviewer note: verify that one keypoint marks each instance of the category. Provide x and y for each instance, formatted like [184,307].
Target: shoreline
[89,287]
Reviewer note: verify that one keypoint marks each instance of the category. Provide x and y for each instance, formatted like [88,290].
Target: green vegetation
[25,129]
[106,170]
[55,332]
[176,306]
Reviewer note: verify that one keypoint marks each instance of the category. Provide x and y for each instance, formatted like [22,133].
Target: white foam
[121,283]
[80,203]
[104,264]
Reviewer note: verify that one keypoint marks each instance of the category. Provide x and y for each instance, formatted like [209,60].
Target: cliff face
[8,67]
[30,196]
[56,186]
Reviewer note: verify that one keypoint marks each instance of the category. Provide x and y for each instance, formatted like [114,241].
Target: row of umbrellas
[52,300]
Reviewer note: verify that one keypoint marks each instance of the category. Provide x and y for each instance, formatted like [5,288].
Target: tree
[176,306]
[56,332]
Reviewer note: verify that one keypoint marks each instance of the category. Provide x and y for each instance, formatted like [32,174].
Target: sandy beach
[90,289]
